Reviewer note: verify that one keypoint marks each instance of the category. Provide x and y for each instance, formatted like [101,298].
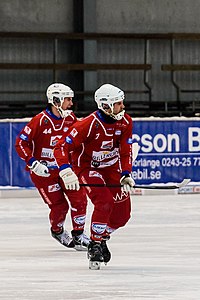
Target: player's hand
[39,169]
[127,183]
[70,179]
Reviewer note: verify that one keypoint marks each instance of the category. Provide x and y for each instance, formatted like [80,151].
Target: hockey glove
[70,179]
[39,169]
[127,183]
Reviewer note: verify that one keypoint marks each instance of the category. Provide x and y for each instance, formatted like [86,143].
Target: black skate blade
[94,265]
[80,248]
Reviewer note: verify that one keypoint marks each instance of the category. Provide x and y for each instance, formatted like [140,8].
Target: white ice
[156,256]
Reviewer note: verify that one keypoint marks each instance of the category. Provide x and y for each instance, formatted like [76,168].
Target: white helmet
[106,96]
[56,93]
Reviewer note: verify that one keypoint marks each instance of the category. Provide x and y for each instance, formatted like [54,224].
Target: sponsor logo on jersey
[122,125]
[98,228]
[55,139]
[60,224]
[23,137]
[65,129]
[107,144]
[53,188]
[101,155]
[110,230]
[122,196]
[47,200]
[68,140]
[130,141]
[74,132]
[46,152]
[94,174]
[97,237]
[95,164]
[27,129]
[104,164]
[118,132]
[68,122]
[80,220]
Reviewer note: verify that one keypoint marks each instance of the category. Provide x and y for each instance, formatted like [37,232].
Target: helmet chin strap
[64,113]
[118,116]
[58,105]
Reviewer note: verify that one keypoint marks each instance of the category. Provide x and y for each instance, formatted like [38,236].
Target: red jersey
[38,138]
[97,144]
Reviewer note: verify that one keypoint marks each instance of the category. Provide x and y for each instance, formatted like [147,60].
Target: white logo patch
[80,220]
[98,228]
[110,230]
[74,132]
[101,155]
[27,129]
[118,132]
[94,174]
[55,139]
[65,129]
[46,152]
[53,188]
[107,144]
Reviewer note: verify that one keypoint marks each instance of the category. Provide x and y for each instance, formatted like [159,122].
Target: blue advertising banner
[169,151]
[5,153]
[12,168]
[20,177]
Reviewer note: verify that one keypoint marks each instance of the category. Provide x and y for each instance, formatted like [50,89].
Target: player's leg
[103,204]
[120,212]
[53,196]
[78,202]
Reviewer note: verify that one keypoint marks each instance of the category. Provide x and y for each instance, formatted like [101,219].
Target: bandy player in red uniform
[102,154]
[35,145]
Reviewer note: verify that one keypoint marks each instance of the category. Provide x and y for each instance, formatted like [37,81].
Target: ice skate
[95,255]
[63,238]
[105,251]
[81,240]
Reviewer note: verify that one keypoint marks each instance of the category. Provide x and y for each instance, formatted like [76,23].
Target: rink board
[169,151]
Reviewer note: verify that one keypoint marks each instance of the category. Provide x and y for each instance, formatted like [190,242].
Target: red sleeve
[126,147]
[24,141]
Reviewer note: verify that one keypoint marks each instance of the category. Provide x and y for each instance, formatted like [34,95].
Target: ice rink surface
[155,257]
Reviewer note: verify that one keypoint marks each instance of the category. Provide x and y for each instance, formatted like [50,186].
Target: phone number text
[180,161]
